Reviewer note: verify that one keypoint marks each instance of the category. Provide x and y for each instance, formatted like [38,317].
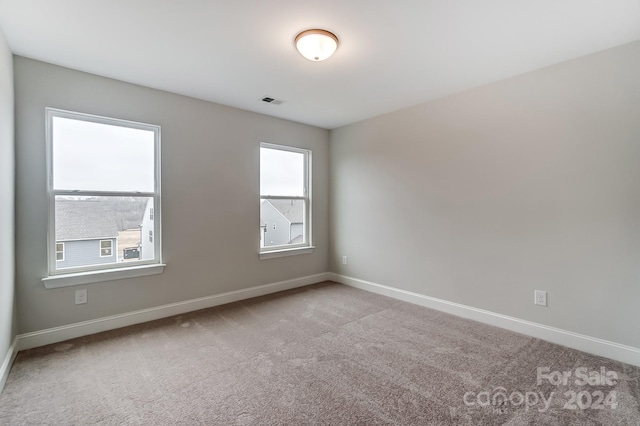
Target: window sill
[68,280]
[286,252]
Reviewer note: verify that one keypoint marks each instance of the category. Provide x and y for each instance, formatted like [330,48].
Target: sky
[101,157]
[281,172]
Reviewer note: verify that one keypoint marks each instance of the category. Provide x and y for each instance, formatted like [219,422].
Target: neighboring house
[281,222]
[86,233]
[146,232]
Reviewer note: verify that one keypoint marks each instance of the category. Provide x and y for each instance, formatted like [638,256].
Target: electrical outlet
[540,297]
[81,296]
[344,260]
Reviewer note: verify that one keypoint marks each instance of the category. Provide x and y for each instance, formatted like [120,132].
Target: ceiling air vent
[271,101]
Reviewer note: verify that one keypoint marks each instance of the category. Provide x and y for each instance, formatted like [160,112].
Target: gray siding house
[86,234]
[146,232]
[281,222]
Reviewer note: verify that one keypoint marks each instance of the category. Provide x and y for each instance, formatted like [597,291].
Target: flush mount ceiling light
[316,45]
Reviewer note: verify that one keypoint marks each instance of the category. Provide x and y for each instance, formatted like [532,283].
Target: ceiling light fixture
[316,45]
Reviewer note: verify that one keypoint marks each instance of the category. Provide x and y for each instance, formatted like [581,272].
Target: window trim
[101,271]
[102,275]
[273,254]
[307,246]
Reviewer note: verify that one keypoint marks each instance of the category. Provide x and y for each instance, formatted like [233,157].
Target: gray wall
[7,313]
[210,195]
[482,197]
[86,252]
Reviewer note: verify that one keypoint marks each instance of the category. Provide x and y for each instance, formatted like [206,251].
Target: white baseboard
[66,332]
[570,339]
[593,345]
[8,362]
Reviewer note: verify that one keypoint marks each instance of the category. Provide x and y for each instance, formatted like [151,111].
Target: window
[106,248]
[103,183]
[285,198]
[59,252]
[150,236]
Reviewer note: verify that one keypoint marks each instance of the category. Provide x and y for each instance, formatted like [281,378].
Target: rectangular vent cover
[271,100]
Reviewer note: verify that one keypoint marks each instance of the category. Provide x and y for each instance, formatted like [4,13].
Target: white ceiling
[393,54]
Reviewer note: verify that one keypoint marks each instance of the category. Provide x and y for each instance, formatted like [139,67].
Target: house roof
[292,210]
[84,220]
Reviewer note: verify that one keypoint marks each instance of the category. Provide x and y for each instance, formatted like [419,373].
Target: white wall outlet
[344,260]
[540,297]
[81,296]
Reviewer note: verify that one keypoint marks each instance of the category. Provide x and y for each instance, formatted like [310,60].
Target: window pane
[101,157]
[281,172]
[102,230]
[59,251]
[282,222]
[106,248]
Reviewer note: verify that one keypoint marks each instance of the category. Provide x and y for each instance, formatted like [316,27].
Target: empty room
[335,213]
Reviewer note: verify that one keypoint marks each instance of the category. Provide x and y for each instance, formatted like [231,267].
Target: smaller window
[285,174]
[150,236]
[150,214]
[106,248]
[59,252]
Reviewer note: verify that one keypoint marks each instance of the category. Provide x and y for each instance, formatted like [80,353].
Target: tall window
[285,198]
[103,185]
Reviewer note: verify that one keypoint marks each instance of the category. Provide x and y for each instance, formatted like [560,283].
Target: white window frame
[110,248]
[111,271]
[306,246]
[59,251]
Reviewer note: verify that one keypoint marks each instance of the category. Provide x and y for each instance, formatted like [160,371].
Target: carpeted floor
[323,354]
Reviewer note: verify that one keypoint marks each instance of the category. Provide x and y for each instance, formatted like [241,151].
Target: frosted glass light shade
[316,45]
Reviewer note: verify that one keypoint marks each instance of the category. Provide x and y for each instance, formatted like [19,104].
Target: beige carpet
[323,354]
